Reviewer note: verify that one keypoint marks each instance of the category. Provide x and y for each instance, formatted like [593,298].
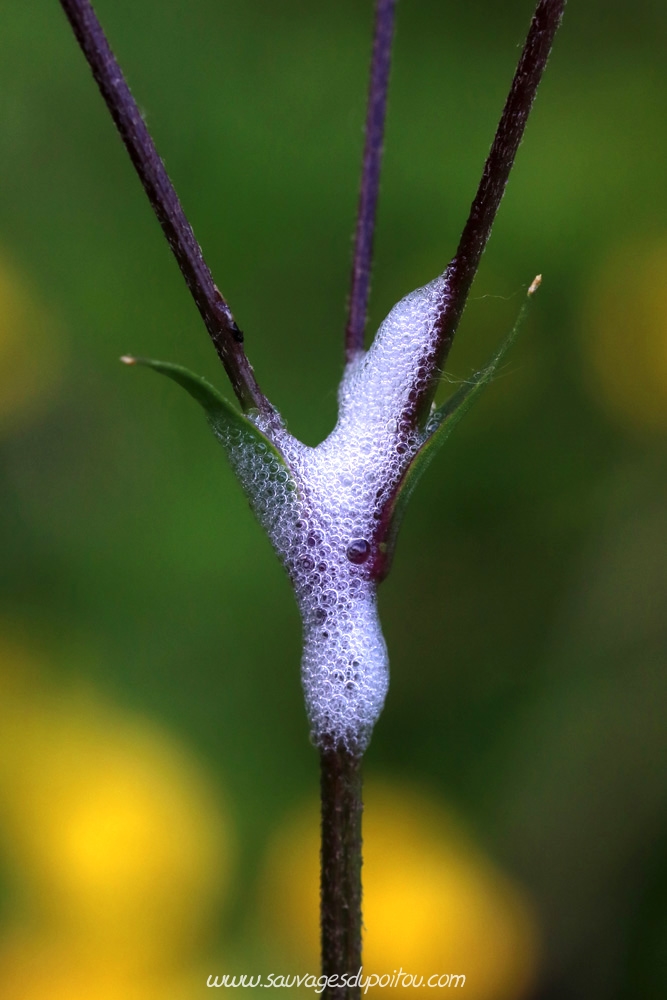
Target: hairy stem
[370,177]
[341,868]
[462,270]
[220,323]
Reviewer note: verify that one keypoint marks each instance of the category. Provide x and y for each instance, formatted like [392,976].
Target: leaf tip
[536,282]
[127,359]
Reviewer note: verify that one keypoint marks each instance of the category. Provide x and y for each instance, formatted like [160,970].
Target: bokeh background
[158,794]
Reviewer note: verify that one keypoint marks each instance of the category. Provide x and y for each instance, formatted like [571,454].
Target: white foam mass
[324,524]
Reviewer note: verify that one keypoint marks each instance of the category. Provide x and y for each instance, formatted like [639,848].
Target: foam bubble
[324,529]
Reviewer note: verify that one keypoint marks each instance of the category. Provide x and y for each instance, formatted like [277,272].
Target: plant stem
[499,163]
[506,142]
[220,323]
[341,868]
[370,177]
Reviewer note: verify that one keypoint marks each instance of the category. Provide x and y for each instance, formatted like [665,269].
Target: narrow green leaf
[229,425]
[443,421]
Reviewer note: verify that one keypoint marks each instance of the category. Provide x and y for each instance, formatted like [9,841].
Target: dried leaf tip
[127,359]
[537,281]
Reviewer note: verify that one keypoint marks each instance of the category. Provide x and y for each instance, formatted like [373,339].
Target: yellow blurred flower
[115,840]
[30,349]
[34,969]
[625,334]
[433,902]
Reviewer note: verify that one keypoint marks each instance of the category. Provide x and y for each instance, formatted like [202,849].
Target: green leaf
[443,421]
[226,421]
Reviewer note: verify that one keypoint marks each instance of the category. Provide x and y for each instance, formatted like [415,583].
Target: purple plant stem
[462,270]
[340,896]
[220,323]
[370,177]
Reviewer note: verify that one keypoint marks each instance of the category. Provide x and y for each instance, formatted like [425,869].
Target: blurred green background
[154,749]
